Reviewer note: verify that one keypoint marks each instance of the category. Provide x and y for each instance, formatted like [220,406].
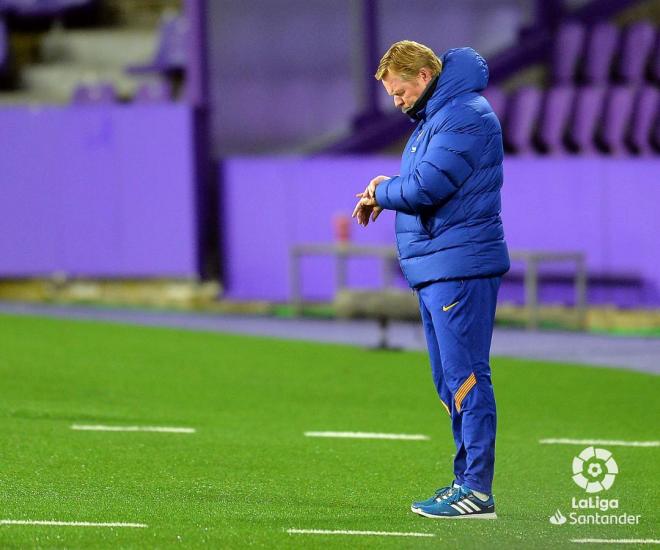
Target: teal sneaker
[460,504]
[441,493]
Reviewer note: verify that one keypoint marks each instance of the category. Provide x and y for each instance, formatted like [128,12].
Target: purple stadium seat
[156,91]
[654,61]
[171,53]
[617,114]
[521,117]
[602,43]
[555,112]
[99,93]
[568,47]
[173,46]
[587,109]
[646,116]
[636,46]
[497,99]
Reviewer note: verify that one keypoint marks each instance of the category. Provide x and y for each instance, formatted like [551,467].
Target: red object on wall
[342,226]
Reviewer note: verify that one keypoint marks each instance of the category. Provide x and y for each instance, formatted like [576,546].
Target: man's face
[406,92]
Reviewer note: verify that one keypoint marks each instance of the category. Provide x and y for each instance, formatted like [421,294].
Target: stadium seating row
[168,61]
[615,120]
[41,8]
[606,53]
[104,92]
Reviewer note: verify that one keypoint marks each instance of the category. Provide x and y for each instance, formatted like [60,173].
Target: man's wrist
[382,189]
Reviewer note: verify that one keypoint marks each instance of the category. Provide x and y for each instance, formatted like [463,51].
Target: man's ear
[425,75]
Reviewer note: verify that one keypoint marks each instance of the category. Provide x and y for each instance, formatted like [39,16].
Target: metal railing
[531,258]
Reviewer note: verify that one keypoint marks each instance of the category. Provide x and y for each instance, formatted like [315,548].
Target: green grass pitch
[248,474]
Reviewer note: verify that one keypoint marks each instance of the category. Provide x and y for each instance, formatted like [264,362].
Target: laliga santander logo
[594,470]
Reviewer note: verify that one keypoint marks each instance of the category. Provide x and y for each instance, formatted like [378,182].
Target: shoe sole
[488,515]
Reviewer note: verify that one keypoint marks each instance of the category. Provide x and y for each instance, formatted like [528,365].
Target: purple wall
[296,202]
[604,207]
[97,191]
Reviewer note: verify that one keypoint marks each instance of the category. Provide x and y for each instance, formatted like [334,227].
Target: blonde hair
[406,58]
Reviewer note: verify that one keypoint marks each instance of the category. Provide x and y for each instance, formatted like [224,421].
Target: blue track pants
[458,318]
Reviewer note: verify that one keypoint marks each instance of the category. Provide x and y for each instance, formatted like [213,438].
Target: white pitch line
[368,435]
[360,533]
[70,523]
[616,541]
[101,428]
[611,442]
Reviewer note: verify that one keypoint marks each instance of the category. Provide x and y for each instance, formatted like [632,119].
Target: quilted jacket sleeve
[450,158]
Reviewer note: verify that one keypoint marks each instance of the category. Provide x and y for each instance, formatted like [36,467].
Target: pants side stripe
[464,390]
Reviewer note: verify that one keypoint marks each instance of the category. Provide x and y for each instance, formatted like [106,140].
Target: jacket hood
[463,71]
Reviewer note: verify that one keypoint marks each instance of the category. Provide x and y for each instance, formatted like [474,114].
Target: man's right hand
[367,207]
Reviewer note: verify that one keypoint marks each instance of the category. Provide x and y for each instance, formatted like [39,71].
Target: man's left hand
[371,188]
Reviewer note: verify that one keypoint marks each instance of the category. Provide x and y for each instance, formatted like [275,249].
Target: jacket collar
[463,71]
[416,112]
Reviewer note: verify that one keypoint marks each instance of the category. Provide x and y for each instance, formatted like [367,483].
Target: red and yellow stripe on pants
[466,386]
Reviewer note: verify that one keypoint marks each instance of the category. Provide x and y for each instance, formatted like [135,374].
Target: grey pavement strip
[635,353]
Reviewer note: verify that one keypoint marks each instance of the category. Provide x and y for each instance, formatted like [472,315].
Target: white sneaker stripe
[458,508]
[462,504]
[472,504]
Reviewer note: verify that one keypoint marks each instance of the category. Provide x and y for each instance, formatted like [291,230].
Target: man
[451,247]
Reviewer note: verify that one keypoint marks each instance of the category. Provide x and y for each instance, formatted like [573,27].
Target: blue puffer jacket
[447,198]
